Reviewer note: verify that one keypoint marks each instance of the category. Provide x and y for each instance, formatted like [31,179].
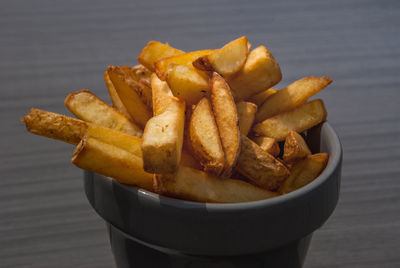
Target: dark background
[51,48]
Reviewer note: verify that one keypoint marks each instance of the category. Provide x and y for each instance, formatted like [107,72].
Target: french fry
[268,144]
[295,148]
[188,160]
[195,185]
[88,107]
[116,101]
[246,113]
[299,119]
[204,138]
[55,126]
[260,72]
[163,138]
[71,130]
[106,159]
[304,172]
[227,60]
[155,51]
[185,59]
[161,94]
[292,96]
[139,72]
[226,117]
[259,98]
[127,90]
[186,83]
[145,92]
[260,167]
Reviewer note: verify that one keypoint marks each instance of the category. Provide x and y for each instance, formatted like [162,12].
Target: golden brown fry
[106,159]
[195,185]
[71,130]
[186,83]
[155,51]
[304,172]
[145,92]
[227,60]
[163,138]
[246,113]
[204,138]
[299,119]
[88,107]
[295,148]
[260,72]
[260,167]
[116,101]
[127,90]
[259,98]
[161,94]
[227,120]
[292,96]
[55,126]
[268,144]
[186,59]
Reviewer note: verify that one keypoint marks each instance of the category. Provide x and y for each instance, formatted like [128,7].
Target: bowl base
[130,253]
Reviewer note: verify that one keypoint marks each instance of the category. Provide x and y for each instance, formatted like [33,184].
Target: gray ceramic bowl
[140,220]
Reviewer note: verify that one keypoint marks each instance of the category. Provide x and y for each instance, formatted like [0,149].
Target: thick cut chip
[155,51]
[162,95]
[195,185]
[55,126]
[88,107]
[260,72]
[295,148]
[227,120]
[305,172]
[292,96]
[145,92]
[163,138]
[204,138]
[128,91]
[299,119]
[259,98]
[227,60]
[71,130]
[246,112]
[260,167]
[186,83]
[268,144]
[116,101]
[106,159]
[185,59]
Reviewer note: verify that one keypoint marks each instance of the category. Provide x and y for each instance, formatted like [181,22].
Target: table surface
[51,48]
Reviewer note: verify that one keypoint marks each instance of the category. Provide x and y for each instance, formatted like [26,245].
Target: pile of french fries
[204,126]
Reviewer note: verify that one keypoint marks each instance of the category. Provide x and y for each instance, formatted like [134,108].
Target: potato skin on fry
[295,148]
[116,101]
[204,138]
[299,119]
[88,107]
[260,167]
[129,92]
[292,96]
[195,185]
[260,72]
[304,172]
[106,159]
[261,97]
[227,120]
[227,60]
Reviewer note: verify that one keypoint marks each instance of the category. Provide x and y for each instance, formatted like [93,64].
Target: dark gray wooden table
[51,48]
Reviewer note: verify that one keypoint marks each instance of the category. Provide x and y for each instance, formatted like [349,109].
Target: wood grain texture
[51,48]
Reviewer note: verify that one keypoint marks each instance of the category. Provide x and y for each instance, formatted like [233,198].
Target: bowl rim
[332,165]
